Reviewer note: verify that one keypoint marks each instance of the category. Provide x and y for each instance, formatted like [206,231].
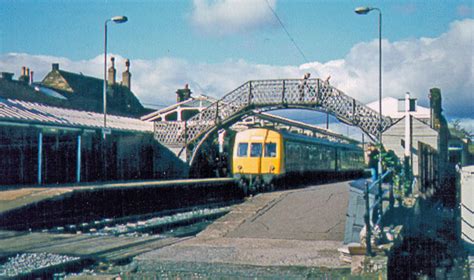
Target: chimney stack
[31,77]
[7,76]
[55,67]
[112,72]
[183,94]
[25,75]
[435,108]
[127,76]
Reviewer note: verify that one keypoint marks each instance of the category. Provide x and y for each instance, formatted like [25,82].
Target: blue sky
[217,45]
[325,30]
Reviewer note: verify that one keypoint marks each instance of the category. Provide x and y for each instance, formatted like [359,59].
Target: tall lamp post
[116,19]
[364,11]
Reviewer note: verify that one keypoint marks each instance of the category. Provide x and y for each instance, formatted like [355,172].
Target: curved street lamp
[116,19]
[364,11]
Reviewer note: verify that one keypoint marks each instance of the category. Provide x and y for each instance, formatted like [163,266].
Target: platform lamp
[364,11]
[116,19]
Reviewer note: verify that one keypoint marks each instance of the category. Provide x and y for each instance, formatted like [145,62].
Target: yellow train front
[263,156]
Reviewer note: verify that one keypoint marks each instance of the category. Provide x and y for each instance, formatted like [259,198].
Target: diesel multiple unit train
[263,156]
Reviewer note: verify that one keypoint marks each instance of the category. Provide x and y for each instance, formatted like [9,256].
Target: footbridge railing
[264,95]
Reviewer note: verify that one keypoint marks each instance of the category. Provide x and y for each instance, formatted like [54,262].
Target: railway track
[71,248]
[106,224]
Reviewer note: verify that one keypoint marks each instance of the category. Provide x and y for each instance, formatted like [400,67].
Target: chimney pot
[127,76]
[25,75]
[112,72]
[31,77]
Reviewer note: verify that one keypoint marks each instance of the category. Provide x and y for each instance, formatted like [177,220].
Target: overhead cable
[287,33]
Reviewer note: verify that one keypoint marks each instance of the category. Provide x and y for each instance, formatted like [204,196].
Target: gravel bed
[143,228]
[26,263]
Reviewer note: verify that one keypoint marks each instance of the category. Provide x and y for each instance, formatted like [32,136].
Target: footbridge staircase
[186,137]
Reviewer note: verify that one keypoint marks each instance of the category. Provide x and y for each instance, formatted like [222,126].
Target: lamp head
[119,19]
[362,10]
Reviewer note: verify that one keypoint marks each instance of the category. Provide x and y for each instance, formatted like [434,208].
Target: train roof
[308,139]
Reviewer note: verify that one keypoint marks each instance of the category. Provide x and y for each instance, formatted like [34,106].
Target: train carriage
[261,156]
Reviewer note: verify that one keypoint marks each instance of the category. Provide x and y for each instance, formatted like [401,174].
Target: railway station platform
[293,233]
[38,208]
[13,198]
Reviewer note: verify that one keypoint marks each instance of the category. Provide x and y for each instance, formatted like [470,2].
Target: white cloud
[415,66]
[222,17]
[41,64]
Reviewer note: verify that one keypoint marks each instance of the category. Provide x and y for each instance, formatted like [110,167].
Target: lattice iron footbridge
[265,95]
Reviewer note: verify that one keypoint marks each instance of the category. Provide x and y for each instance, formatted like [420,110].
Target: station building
[61,88]
[420,130]
[421,136]
[53,132]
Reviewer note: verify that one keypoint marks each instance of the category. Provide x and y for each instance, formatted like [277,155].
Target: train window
[242,149]
[270,149]
[256,150]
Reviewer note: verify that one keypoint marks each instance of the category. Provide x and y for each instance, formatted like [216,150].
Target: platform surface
[303,227]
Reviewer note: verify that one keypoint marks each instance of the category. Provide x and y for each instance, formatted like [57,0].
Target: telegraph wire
[287,33]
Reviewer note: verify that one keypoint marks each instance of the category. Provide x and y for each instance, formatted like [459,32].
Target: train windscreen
[270,150]
[256,150]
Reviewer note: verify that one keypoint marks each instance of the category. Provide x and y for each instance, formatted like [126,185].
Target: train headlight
[239,167]
[272,168]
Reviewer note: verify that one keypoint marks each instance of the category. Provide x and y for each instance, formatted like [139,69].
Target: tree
[456,129]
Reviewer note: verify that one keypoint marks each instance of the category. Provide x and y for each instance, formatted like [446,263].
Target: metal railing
[376,207]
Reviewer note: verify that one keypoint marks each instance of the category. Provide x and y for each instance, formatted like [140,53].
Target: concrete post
[179,113]
[407,126]
[221,141]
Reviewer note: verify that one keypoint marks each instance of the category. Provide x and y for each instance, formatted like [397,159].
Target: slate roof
[201,101]
[18,90]
[12,110]
[80,82]
[86,93]
[81,93]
